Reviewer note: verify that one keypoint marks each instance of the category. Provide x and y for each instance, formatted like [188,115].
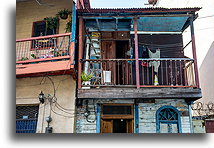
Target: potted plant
[68,26]
[51,23]
[86,79]
[63,14]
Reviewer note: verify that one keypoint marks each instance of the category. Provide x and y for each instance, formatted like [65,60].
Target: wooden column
[136,53]
[80,51]
[194,52]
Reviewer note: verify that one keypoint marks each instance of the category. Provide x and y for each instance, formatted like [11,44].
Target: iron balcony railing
[164,72]
[43,47]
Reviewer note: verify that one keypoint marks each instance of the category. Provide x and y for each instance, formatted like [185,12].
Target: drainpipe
[190,116]
[73,35]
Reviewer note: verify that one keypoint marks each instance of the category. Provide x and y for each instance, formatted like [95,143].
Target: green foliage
[68,27]
[23,59]
[86,77]
[63,14]
[51,22]
[33,56]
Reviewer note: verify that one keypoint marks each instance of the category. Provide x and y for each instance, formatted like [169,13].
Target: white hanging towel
[155,55]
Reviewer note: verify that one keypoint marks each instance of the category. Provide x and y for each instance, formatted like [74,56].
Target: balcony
[171,72]
[172,78]
[51,54]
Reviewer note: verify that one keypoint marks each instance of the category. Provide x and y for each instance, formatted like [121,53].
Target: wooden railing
[43,48]
[170,72]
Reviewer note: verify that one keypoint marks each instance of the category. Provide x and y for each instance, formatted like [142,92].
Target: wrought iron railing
[43,47]
[164,72]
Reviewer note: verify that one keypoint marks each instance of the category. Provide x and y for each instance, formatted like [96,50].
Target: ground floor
[133,116]
[55,114]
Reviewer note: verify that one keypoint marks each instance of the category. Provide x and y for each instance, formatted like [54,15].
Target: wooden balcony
[53,54]
[165,78]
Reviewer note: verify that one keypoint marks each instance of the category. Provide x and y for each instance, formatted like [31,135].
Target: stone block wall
[147,114]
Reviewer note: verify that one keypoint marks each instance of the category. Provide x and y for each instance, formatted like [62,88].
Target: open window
[40,29]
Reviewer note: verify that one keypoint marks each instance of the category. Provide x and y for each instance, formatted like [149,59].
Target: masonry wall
[30,11]
[147,112]
[28,89]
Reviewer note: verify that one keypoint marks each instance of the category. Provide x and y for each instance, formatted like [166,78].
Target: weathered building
[140,81]
[45,67]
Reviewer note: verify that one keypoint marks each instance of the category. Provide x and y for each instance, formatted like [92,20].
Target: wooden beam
[80,51]
[136,54]
[141,93]
[194,52]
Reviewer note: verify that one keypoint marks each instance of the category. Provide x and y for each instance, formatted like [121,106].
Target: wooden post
[194,52]
[80,51]
[136,53]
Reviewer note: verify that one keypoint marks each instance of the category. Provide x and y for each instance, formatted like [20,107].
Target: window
[168,120]
[26,119]
[40,29]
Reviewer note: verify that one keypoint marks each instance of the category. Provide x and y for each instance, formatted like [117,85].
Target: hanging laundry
[155,55]
[144,54]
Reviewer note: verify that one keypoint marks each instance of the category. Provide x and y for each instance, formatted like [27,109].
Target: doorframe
[134,116]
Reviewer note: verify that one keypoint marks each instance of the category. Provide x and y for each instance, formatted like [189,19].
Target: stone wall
[147,114]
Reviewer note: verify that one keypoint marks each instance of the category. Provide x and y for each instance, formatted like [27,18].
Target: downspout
[73,35]
[190,116]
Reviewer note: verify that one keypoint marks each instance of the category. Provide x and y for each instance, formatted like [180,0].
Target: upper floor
[120,50]
[44,42]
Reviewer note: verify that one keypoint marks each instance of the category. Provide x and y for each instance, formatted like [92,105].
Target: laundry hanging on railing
[155,55]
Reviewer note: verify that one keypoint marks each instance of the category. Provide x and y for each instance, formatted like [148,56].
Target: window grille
[26,119]
[168,120]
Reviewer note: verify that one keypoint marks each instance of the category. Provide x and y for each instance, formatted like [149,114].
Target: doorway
[117,118]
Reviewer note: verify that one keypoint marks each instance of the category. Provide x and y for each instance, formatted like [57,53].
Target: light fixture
[41,97]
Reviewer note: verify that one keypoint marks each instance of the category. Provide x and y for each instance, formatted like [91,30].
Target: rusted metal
[133,10]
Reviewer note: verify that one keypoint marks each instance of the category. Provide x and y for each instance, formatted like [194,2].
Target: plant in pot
[86,79]
[63,14]
[68,26]
[51,23]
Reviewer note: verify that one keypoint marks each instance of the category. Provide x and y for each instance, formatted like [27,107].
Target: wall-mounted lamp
[41,97]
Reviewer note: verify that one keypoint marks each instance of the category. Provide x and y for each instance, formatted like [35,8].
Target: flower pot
[85,83]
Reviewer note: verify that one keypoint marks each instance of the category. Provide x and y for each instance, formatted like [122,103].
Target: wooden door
[129,126]
[108,51]
[106,126]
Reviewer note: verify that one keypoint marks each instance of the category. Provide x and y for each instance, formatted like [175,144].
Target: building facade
[116,71]
[44,67]
[140,81]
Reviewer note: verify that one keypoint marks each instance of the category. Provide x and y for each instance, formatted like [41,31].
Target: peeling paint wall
[147,114]
[28,89]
